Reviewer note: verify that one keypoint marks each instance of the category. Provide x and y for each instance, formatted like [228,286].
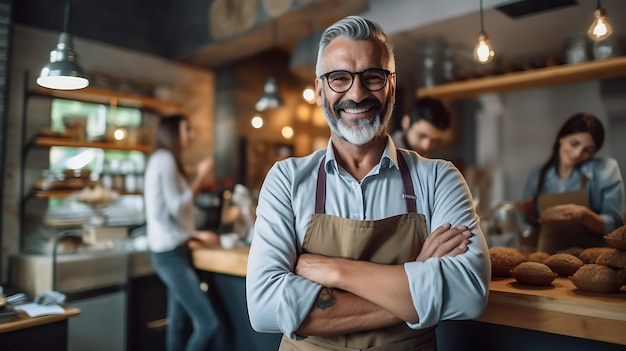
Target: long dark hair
[168,138]
[577,123]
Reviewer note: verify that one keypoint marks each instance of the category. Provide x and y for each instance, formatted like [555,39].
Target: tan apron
[563,235]
[392,240]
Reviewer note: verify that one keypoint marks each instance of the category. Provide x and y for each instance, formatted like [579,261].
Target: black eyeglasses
[372,79]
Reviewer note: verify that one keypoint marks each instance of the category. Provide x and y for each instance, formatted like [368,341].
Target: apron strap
[408,195]
[320,193]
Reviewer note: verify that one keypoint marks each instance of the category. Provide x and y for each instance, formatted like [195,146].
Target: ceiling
[518,42]
[170,28]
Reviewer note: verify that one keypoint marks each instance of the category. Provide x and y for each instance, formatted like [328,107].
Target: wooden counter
[224,271]
[228,261]
[21,320]
[559,308]
[22,333]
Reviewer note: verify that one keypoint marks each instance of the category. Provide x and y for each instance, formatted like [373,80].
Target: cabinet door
[147,314]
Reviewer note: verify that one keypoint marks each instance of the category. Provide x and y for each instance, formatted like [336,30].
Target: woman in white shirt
[169,199]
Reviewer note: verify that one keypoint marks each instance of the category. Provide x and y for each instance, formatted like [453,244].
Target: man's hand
[317,268]
[445,241]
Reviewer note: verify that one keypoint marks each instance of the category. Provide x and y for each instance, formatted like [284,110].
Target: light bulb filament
[483,52]
[600,29]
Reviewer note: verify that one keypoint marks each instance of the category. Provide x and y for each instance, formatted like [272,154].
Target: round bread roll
[533,273]
[619,233]
[503,260]
[563,264]
[613,258]
[590,255]
[617,238]
[538,257]
[597,278]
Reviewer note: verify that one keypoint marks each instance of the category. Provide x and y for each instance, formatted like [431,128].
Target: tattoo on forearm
[325,299]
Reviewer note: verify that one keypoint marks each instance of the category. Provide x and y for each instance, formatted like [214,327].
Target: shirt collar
[587,168]
[584,169]
[388,159]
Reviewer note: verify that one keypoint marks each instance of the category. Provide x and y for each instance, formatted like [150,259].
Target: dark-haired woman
[170,224]
[574,197]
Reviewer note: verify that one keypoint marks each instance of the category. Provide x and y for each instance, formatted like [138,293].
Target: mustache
[367,103]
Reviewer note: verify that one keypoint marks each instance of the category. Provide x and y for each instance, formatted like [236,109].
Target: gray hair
[355,28]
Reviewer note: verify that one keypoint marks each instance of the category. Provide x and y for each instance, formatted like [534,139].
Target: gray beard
[361,131]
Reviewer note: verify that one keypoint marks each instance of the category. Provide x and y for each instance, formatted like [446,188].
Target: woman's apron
[392,240]
[563,235]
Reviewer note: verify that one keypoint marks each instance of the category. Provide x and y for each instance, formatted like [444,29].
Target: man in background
[423,126]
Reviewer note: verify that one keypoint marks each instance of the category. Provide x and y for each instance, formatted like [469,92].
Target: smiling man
[363,245]
[423,126]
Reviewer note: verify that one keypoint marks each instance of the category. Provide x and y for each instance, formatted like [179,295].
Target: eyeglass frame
[387,72]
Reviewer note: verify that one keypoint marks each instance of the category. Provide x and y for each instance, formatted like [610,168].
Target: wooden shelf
[564,74]
[110,97]
[50,141]
[47,194]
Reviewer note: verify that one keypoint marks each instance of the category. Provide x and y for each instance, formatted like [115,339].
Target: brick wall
[192,87]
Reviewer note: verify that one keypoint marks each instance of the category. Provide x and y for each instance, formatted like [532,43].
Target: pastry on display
[619,233]
[613,258]
[96,196]
[503,260]
[563,264]
[590,255]
[533,273]
[538,257]
[617,238]
[597,278]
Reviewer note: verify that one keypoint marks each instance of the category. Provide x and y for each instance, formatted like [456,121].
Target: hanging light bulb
[483,52]
[270,98]
[63,71]
[600,29]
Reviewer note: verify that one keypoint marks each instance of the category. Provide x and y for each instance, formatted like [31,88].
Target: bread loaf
[597,278]
[563,264]
[533,273]
[503,260]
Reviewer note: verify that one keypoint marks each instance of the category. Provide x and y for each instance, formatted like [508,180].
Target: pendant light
[600,29]
[308,94]
[483,52]
[270,98]
[63,71]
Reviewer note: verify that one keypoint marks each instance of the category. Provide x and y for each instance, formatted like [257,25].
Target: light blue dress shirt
[605,188]
[441,288]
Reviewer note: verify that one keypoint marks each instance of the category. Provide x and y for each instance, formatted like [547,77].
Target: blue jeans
[185,299]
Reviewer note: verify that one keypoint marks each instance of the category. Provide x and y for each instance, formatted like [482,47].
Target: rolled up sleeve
[450,287]
[278,300]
